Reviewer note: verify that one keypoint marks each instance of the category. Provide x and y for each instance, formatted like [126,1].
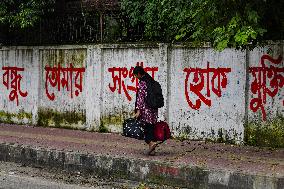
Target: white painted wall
[21,58]
[274,105]
[226,112]
[94,88]
[101,106]
[63,102]
[116,105]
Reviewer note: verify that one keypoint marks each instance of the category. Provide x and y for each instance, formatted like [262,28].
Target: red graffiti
[172,171]
[12,79]
[199,78]
[118,75]
[259,84]
[64,77]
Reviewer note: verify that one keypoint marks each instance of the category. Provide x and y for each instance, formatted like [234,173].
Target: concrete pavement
[190,164]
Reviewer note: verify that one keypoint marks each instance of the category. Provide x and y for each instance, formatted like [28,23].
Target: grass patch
[16,118]
[267,134]
[103,129]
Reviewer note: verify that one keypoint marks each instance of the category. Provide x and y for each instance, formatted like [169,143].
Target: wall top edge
[43,47]
[121,46]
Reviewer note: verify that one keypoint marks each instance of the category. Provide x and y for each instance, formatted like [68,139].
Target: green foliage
[103,129]
[270,134]
[224,23]
[11,118]
[23,13]
[142,186]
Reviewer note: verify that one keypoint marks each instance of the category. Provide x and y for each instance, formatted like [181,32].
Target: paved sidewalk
[192,164]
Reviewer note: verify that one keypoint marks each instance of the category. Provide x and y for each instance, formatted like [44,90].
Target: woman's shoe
[151,151]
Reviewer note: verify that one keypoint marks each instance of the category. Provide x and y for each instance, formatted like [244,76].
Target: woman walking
[144,113]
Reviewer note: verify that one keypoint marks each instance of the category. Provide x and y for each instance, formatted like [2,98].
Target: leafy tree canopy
[23,13]
[224,23]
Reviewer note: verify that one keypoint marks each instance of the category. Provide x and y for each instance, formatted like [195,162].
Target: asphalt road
[8,181]
[17,176]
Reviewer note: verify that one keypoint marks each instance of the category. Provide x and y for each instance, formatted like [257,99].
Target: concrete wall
[118,91]
[60,104]
[267,102]
[19,87]
[203,114]
[208,94]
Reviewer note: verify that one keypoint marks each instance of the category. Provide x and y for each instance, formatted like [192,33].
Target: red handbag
[162,131]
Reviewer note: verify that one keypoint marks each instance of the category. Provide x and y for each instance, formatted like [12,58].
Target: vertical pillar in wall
[168,95]
[163,79]
[35,61]
[93,88]
[247,87]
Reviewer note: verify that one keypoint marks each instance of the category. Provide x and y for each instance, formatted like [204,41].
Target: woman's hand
[137,114]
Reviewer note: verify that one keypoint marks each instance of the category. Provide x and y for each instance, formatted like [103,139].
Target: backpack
[154,98]
[162,131]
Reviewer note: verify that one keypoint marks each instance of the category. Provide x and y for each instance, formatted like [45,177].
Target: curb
[135,169]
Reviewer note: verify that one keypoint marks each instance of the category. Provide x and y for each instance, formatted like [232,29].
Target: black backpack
[154,97]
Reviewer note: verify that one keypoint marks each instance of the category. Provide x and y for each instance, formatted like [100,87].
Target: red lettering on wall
[119,74]
[259,85]
[12,79]
[200,76]
[171,171]
[64,77]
